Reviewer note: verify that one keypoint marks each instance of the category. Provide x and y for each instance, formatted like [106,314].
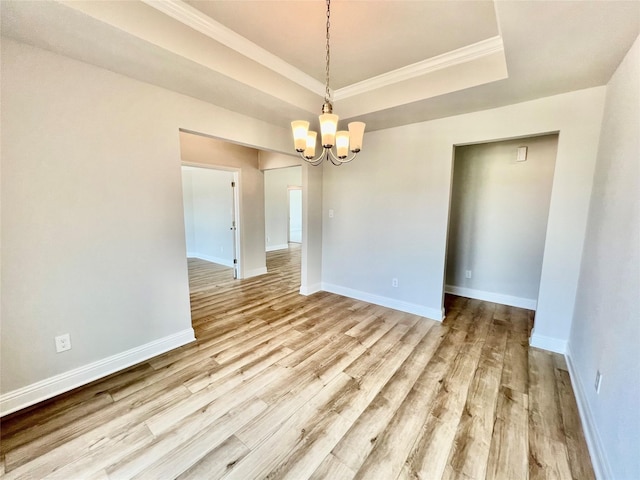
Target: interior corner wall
[276,205]
[606,323]
[498,220]
[204,150]
[391,207]
[93,240]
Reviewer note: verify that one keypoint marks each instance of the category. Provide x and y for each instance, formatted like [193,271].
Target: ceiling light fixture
[305,141]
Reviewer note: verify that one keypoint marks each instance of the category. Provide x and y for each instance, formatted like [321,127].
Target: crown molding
[449,59]
[194,18]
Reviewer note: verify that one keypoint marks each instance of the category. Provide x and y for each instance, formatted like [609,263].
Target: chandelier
[344,141]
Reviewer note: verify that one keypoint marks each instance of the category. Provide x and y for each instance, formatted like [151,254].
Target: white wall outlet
[394,282]
[467,273]
[63,343]
[598,381]
[331,213]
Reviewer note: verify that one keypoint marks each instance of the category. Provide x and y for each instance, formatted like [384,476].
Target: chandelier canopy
[344,141]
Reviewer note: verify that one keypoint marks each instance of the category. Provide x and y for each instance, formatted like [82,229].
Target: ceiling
[392,62]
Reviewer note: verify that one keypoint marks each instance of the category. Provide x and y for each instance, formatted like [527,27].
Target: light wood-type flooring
[280,385]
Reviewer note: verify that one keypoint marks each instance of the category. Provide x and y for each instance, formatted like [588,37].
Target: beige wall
[203,150]
[606,323]
[394,200]
[92,223]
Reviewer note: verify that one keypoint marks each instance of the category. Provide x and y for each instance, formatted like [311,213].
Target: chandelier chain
[327,95]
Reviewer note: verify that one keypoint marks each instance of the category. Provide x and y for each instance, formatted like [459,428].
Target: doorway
[210,199]
[295,214]
[499,208]
[283,207]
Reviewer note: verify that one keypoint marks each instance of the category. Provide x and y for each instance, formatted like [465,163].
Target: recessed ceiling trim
[194,18]
[449,59]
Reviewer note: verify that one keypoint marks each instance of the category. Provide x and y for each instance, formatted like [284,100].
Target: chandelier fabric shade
[345,142]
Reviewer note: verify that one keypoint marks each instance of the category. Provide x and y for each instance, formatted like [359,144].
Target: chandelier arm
[327,154]
[314,161]
[334,160]
[339,161]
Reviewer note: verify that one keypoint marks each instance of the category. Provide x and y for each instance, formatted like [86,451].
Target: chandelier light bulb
[328,127]
[310,150]
[356,134]
[300,128]
[342,144]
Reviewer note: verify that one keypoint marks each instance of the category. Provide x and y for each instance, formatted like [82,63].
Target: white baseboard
[598,458]
[209,258]
[431,313]
[528,303]
[255,272]
[548,343]
[310,289]
[282,246]
[50,387]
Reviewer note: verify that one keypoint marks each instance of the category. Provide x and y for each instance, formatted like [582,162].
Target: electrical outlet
[63,343]
[394,282]
[467,273]
[598,381]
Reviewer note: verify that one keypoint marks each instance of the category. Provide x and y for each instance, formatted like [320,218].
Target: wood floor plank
[516,360]
[217,462]
[472,441]
[548,457]
[427,458]
[244,367]
[577,449]
[369,428]
[332,468]
[380,348]
[65,404]
[94,461]
[281,385]
[157,379]
[510,439]
[277,448]
[178,460]
[48,426]
[347,403]
[212,401]
[305,457]
[47,455]
[206,419]
[365,387]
